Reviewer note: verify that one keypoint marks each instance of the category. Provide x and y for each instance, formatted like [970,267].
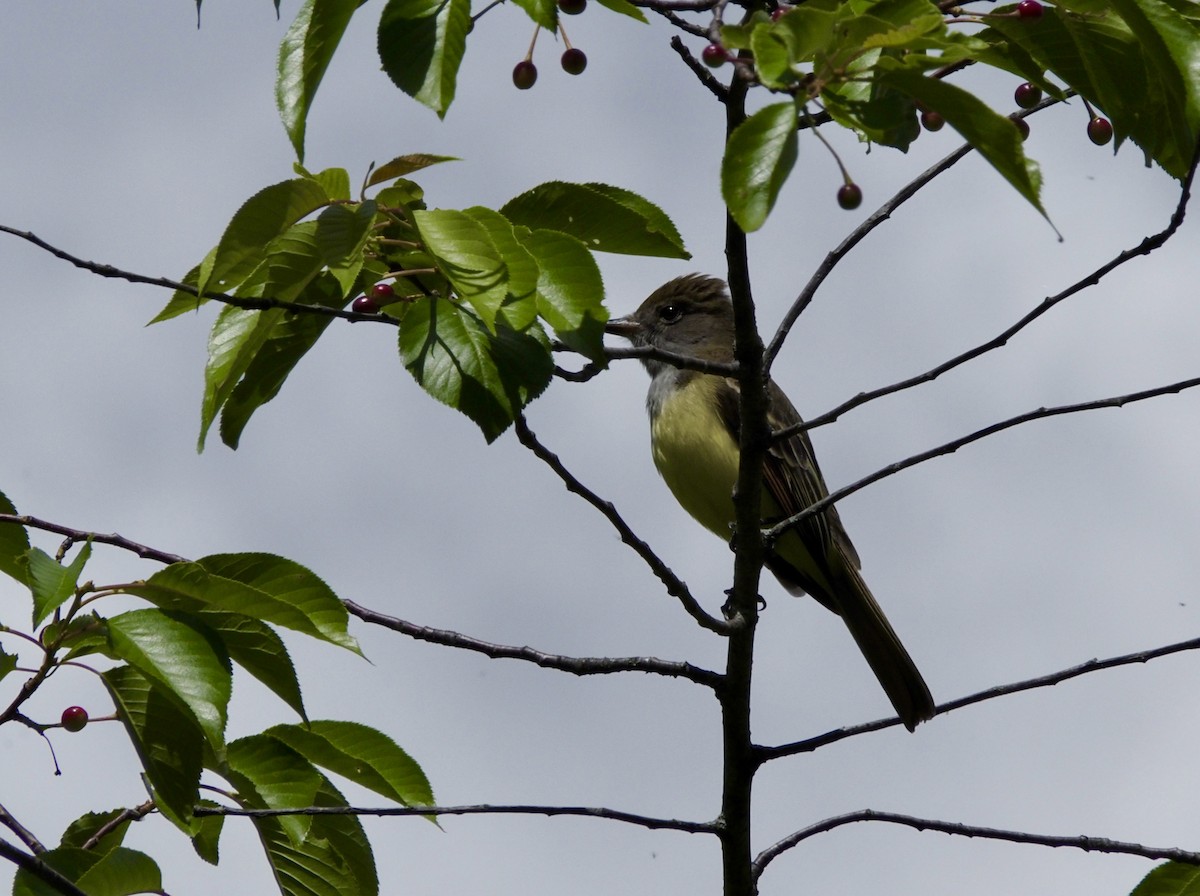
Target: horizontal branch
[253,304]
[953,445]
[645,821]
[78,535]
[572,664]
[1042,681]
[675,585]
[1084,842]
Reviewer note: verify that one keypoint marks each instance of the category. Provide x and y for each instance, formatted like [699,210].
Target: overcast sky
[129,137]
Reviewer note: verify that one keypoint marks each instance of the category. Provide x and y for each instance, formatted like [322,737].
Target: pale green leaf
[758,158]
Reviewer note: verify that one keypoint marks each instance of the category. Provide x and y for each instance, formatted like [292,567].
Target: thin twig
[1145,247]
[953,445]
[675,585]
[706,77]
[137,813]
[146,553]
[253,304]
[645,821]
[23,833]
[1042,681]
[572,664]
[1087,844]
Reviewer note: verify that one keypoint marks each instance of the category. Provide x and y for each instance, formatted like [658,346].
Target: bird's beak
[623,326]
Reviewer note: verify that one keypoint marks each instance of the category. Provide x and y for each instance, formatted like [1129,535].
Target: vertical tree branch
[753,439]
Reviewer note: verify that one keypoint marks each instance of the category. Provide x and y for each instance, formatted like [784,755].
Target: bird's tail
[881,646]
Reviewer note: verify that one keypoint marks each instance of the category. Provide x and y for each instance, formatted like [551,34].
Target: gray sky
[130,137]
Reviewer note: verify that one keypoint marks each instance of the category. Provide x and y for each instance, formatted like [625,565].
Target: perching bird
[694,423]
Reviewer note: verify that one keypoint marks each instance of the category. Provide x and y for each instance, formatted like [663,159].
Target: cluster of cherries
[573,60]
[1027,95]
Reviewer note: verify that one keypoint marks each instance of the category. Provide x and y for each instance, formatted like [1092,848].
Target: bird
[694,427]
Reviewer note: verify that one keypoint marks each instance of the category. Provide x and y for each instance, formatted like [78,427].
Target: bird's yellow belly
[697,456]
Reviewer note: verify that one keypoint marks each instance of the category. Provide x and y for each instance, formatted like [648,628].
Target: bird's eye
[671,313]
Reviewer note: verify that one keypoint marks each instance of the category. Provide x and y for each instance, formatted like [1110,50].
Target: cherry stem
[533,43]
[563,32]
[816,131]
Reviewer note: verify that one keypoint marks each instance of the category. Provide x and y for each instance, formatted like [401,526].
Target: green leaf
[758,158]
[465,254]
[206,840]
[519,308]
[604,218]
[625,8]
[268,774]
[70,862]
[256,647]
[456,359]
[405,164]
[183,656]
[342,232]
[122,872]
[8,662]
[182,301]
[52,583]
[266,587]
[365,756]
[304,56]
[570,293]
[262,218]
[82,829]
[167,739]
[543,12]
[14,543]
[993,135]
[334,859]
[1170,879]
[421,45]
[289,339]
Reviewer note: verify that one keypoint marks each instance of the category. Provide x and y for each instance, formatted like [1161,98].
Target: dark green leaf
[488,376]
[256,647]
[122,872]
[14,542]
[70,862]
[758,158]
[304,55]
[406,164]
[167,738]
[8,662]
[421,45]
[1170,879]
[262,218]
[334,859]
[266,587]
[570,292]
[993,135]
[271,775]
[365,756]
[53,584]
[342,232]
[206,840]
[182,301]
[604,218]
[183,656]
[82,829]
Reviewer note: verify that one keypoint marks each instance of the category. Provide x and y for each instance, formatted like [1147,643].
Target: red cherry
[1027,95]
[1022,126]
[1030,9]
[383,293]
[574,61]
[714,55]
[849,196]
[777,12]
[364,305]
[1100,130]
[524,74]
[932,121]
[74,718]
[572,7]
